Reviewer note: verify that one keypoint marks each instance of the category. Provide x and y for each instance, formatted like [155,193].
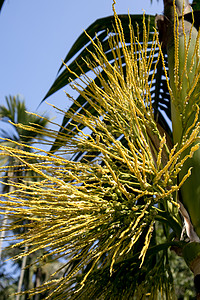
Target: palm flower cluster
[101,212]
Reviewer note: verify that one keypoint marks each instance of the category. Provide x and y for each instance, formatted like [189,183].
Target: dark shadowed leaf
[99,31]
[1,4]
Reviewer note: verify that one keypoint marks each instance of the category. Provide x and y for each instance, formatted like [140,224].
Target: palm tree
[182,56]
[15,113]
[182,49]
[183,59]
[117,207]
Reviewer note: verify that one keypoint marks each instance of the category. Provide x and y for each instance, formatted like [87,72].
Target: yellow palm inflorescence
[94,212]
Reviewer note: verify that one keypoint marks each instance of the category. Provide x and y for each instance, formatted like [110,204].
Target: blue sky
[35,35]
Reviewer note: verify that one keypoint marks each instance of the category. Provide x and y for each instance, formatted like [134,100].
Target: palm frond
[99,32]
[15,112]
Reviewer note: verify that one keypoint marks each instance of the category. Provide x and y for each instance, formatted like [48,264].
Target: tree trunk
[38,277]
[2,236]
[5,219]
[22,274]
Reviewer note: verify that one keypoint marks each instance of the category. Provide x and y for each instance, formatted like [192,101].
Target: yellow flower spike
[176,47]
[195,55]
[162,143]
[147,242]
[96,212]
[166,73]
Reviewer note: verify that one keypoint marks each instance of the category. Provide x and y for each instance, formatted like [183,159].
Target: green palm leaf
[15,113]
[101,29]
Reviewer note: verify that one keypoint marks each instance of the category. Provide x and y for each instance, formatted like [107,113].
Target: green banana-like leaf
[185,85]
